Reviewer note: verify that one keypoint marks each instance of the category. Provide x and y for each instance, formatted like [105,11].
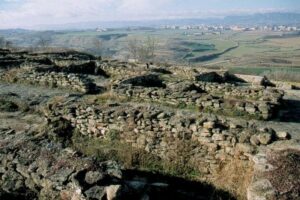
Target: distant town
[217,29]
[232,28]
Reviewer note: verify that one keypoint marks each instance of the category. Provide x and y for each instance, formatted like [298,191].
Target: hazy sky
[28,13]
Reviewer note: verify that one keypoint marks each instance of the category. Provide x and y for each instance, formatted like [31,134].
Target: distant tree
[133,47]
[8,44]
[151,45]
[5,43]
[43,42]
[2,42]
[143,50]
[98,46]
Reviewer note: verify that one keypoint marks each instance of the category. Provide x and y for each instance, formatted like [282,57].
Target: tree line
[138,49]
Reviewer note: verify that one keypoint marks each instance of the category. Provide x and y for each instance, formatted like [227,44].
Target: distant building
[101,29]
[131,60]
[237,28]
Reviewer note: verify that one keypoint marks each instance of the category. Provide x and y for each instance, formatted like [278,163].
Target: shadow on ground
[290,111]
[168,187]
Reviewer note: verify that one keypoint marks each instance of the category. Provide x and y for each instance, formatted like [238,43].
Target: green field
[263,70]
[252,52]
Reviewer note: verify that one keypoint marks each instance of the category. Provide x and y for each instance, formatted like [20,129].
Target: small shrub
[181,105]
[12,103]
[8,106]
[60,130]
[113,135]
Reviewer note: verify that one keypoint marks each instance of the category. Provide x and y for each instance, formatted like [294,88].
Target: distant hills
[246,20]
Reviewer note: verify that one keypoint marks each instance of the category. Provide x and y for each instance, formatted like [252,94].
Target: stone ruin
[211,139]
[165,108]
[55,70]
[209,97]
[210,92]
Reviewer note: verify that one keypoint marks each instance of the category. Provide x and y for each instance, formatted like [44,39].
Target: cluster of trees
[42,42]
[5,43]
[143,50]
[92,45]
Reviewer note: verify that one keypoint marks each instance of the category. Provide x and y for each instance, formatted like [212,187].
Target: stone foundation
[207,141]
[73,82]
[225,99]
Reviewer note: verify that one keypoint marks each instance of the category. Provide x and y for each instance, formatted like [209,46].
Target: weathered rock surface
[276,172]
[33,167]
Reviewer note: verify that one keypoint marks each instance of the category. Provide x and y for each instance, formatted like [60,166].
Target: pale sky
[29,13]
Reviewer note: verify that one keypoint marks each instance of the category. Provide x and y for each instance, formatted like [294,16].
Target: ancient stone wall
[210,97]
[55,80]
[207,141]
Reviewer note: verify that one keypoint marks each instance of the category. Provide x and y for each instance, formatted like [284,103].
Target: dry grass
[52,104]
[11,75]
[57,100]
[285,42]
[234,177]
[283,75]
[105,98]
[130,157]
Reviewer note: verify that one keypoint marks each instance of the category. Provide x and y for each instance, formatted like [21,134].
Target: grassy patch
[110,148]
[197,46]
[112,36]
[188,55]
[275,73]
[105,98]
[233,113]
[283,75]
